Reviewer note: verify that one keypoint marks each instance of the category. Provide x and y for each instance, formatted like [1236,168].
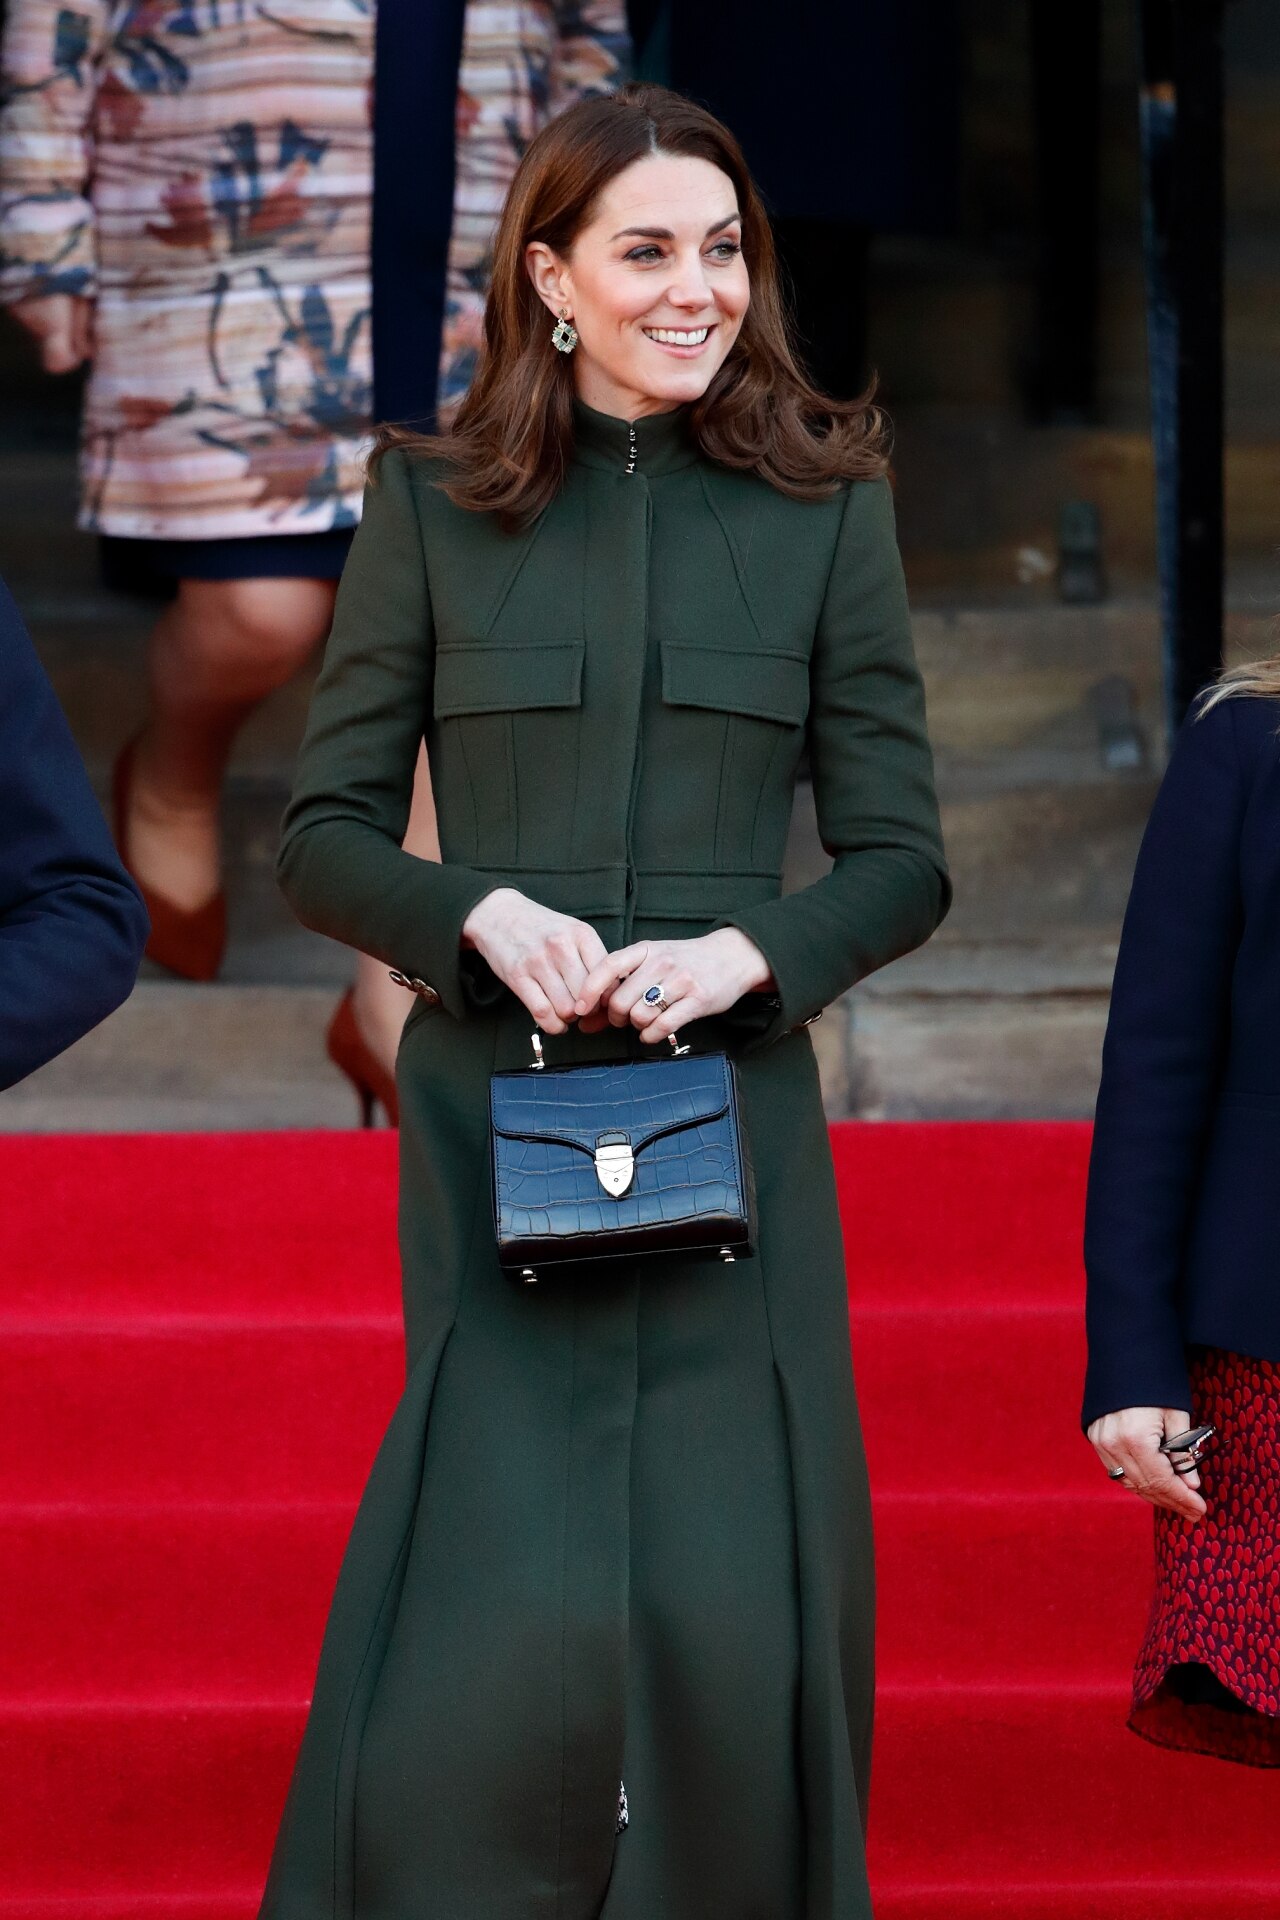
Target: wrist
[476,926]
[751,970]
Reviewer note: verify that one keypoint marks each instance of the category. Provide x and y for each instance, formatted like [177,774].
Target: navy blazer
[1182,1224]
[72,923]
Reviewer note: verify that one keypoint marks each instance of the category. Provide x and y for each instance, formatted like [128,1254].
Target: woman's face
[656,286]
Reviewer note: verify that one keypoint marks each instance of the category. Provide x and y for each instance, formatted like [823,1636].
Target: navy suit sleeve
[1161,1063]
[72,923]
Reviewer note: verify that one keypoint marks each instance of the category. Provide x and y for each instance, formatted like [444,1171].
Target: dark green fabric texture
[618,1529]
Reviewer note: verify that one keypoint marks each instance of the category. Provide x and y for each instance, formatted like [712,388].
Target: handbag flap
[645,1099]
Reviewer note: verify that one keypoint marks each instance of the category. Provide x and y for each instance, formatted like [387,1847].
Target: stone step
[987,1056]
[1001,1013]
[978,498]
[1041,869]
[1037,870]
[180,1058]
[1034,859]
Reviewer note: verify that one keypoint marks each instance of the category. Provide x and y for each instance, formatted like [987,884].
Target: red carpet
[199,1348]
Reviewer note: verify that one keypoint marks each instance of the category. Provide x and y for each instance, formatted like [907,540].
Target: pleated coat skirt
[602,1641]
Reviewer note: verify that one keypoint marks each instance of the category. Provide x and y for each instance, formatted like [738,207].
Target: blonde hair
[1257,677]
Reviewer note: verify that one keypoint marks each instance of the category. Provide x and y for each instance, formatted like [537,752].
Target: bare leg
[380,1005]
[216,652]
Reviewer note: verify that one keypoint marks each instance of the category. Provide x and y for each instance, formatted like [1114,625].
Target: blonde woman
[1183,1228]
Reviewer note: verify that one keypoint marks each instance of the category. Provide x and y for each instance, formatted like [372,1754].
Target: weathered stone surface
[187,1058]
[975,1056]
[1047,865]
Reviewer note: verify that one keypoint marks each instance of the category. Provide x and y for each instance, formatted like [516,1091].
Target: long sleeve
[49,79]
[873,784]
[1161,1061]
[72,923]
[341,864]
[592,52]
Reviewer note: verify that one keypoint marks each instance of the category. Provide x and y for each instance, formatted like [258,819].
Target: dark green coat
[618,1529]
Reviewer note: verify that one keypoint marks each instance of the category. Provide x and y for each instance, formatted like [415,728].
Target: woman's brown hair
[512,437]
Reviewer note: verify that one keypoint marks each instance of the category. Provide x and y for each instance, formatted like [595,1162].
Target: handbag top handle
[536,1037]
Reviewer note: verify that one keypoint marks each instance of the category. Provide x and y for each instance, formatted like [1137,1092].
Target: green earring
[564,336]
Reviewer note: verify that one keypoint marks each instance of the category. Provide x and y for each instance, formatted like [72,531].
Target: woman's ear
[547,273]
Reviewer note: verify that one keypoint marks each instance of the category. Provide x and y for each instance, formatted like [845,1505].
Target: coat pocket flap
[536,1105]
[769,686]
[484,678]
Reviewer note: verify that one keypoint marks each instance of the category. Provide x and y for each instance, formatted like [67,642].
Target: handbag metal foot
[727,1256]
[528,1275]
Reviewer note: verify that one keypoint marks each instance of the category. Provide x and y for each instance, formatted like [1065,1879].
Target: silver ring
[1115,1473]
[655,997]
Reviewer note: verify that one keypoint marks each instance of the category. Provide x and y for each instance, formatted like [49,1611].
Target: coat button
[415,985]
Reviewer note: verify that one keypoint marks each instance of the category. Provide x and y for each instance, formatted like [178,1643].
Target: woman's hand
[62,324]
[543,956]
[1131,1439]
[698,977]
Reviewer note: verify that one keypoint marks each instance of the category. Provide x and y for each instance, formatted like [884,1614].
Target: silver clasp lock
[615,1163]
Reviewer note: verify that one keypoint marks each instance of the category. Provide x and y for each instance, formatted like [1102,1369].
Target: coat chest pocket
[758,685]
[478,678]
[735,724]
[508,716]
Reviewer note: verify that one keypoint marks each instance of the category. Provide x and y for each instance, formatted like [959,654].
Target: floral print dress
[202,170]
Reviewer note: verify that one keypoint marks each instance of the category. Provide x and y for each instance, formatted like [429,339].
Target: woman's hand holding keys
[1131,1439]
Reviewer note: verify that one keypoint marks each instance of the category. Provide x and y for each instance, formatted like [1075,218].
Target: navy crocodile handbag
[622,1157]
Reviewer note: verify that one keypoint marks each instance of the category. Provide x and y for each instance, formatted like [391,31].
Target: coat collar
[663,441]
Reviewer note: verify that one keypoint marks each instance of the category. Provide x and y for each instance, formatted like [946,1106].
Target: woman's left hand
[697,977]
[1131,1439]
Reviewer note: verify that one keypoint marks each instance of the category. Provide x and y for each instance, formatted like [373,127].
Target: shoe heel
[372,1085]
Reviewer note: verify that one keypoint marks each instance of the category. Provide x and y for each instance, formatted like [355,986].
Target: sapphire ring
[655,997]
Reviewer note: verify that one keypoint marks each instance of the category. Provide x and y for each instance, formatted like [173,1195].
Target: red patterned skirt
[1208,1676]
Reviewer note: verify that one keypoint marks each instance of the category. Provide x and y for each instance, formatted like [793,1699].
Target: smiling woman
[601,1646]
[639,222]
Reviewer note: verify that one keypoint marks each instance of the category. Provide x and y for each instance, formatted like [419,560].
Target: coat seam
[527,544]
[797,1578]
[564,1610]
[584,524]
[765,787]
[739,569]
[471,793]
[405,1540]
[726,778]
[411,1527]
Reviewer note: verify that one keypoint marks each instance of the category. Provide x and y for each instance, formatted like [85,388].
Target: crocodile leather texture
[691,1187]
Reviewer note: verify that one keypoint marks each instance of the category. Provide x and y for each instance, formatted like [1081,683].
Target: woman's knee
[254,634]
